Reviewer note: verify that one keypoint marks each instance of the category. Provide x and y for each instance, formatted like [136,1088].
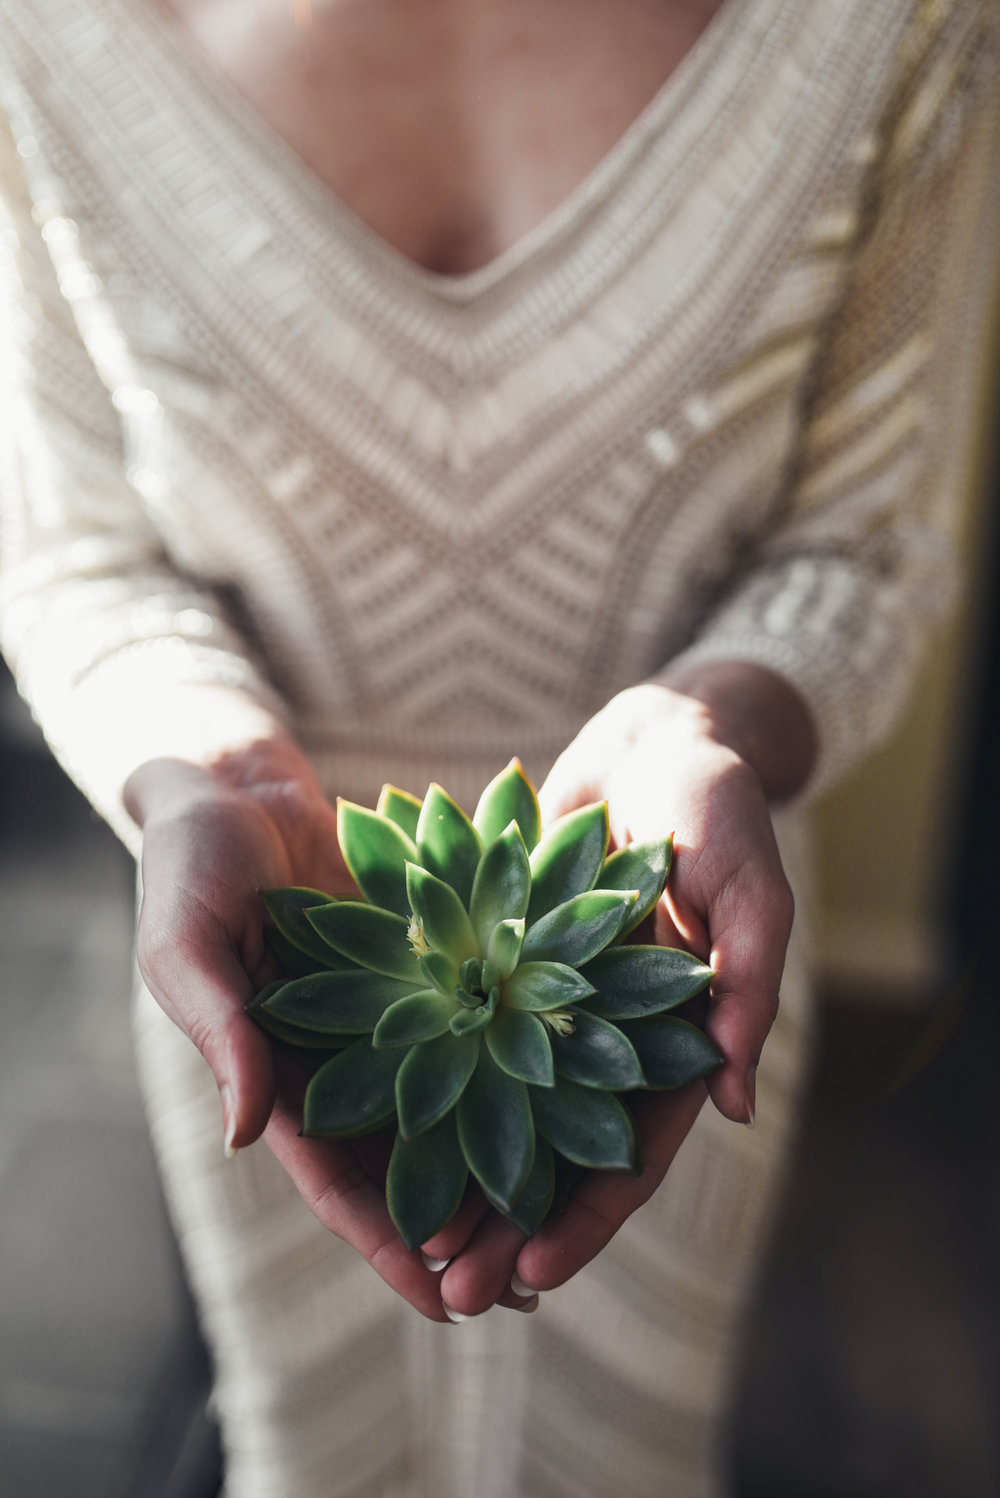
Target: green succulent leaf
[519,1043]
[641,866]
[354,1093]
[502,886]
[496,1131]
[469,1020]
[287,909]
[370,937]
[439,969]
[309,1043]
[578,929]
[632,982]
[503,951]
[509,797]
[568,858]
[297,964]
[425,1181]
[586,1125]
[596,1054]
[419,1016]
[545,985]
[399,807]
[672,1051]
[349,1003]
[431,1080]
[448,845]
[444,923]
[376,853]
[534,1200]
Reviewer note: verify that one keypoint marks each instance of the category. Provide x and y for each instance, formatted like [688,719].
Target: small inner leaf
[431,1080]
[672,1051]
[568,858]
[354,1093]
[446,926]
[631,982]
[448,844]
[577,930]
[509,797]
[502,886]
[519,1043]
[596,1054]
[469,1021]
[496,1131]
[372,938]
[376,854]
[419,1016]
[337,1003]
[641,866]
[589,1127]
[425,1181]
[545,985]
[399,807]
[439,969]
[504,950]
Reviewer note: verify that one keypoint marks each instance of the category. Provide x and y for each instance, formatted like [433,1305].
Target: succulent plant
[482,994]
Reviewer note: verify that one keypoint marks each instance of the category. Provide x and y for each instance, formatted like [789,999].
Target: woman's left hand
[665,761]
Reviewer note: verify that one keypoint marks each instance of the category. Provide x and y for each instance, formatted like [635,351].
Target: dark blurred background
[873,1365]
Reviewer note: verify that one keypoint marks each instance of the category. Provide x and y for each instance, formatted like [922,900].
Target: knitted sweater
[711,406]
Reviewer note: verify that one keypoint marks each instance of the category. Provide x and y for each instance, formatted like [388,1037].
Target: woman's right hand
[212,840]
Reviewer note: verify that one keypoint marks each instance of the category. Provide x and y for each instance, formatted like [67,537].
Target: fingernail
[454,1315]
[228,1122]
[751,1096]
[529,1305]
[434,1265]
[520,1288]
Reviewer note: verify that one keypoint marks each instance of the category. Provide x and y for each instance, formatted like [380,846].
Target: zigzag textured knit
[713,404]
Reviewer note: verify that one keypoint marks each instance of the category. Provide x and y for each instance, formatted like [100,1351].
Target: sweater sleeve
[842,595]
[92,611]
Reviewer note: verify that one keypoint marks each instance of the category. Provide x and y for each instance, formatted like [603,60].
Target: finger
[481,1273]
[342,1195]
[748,957]
[567,786]
[604,1200]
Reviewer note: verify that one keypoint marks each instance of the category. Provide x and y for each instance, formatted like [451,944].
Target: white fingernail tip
[434,1265]
[520,1288]
[455,1316]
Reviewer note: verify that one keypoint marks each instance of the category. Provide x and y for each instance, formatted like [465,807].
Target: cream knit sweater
[712,404]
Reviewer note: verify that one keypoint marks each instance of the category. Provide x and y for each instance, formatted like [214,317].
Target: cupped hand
[211,842]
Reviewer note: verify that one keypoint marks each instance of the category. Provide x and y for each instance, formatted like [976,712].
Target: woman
[420,384]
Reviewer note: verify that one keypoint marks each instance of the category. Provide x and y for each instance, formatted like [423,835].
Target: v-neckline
[181,54]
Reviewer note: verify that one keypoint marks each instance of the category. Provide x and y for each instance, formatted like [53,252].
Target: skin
[451,127]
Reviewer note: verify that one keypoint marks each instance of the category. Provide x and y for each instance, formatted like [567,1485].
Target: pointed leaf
[420,1016]
[287,909]
[442,916]
[596,1054]
[399,807]
[370,937]
[346,1003]
[503,951]
[509,797]
[431,1080]
[631,982]
[545,985]
[672,1051]
[448,845]
[577,930]
[534,1200]
[568,858]
[519,1043]
[496,1130]
[311,1043]
[587,1126]
[354,1093]
[376,854]
[641,866]
[425,1181]
[502,886]
[438,968]
[297,964]
[470,1021]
